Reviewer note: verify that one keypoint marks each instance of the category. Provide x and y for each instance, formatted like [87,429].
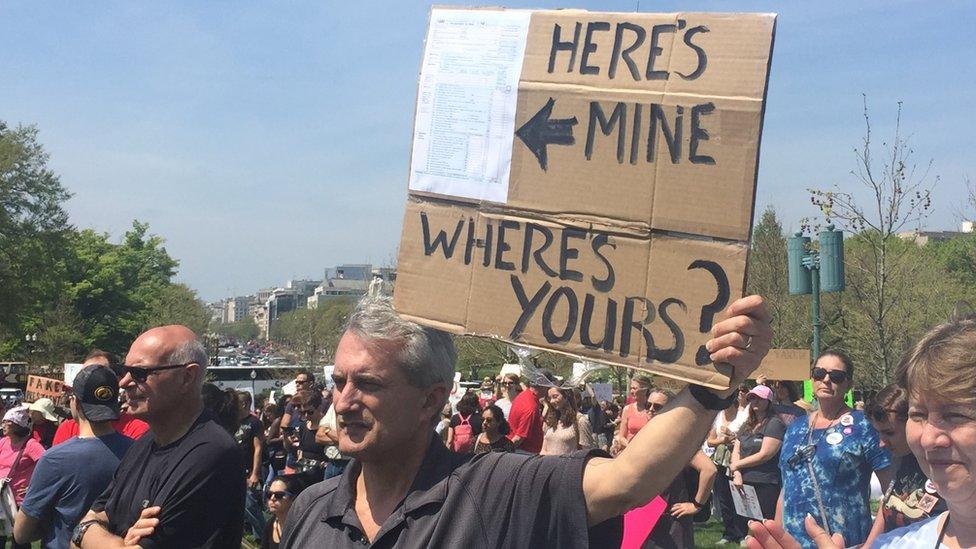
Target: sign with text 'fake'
[584,182]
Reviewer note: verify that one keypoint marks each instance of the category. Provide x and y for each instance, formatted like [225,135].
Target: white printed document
[465,119]
[746,501]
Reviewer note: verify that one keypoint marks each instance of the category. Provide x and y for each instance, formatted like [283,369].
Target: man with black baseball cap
[70,476]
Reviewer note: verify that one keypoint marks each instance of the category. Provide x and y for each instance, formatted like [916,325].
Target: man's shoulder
[313,500]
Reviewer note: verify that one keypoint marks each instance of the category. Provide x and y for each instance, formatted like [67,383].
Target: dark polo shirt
[487,500]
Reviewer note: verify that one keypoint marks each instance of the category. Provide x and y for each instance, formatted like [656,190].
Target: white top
[740,417]
[505,405]
[921,534]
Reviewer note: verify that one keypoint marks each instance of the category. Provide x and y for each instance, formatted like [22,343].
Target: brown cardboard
[673,229]
[41,387]
[786,365]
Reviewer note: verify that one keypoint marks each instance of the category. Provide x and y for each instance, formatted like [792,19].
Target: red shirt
[525,419]
[126,425]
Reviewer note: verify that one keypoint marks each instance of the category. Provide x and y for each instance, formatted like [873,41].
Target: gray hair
[190,351]
[427,355]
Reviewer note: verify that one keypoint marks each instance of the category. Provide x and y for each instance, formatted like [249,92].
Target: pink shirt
[23,470]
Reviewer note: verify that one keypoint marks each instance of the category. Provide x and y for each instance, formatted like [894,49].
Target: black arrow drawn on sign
[540,131]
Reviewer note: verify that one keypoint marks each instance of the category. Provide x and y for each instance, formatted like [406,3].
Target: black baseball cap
[96,390]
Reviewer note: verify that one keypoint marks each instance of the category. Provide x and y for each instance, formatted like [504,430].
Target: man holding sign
[392,378]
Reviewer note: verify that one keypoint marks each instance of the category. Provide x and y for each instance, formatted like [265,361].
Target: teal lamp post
[814,271]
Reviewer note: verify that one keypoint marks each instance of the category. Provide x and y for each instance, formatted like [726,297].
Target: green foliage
[313,334]
[243,330]
[74,289]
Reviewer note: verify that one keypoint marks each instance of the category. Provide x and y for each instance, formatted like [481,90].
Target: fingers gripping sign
[743,338]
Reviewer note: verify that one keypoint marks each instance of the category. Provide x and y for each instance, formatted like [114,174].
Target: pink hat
[762,391]
[17,415]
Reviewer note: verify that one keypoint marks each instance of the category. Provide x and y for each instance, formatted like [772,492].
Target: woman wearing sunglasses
[939,374]
[281,494]
[755,454]
[827,460]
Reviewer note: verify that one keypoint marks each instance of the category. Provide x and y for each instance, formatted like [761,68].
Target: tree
[32,229]
[313,334]
[244,329]
[177,304]
[899,199]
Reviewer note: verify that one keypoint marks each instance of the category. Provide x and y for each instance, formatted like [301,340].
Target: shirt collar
[428,486]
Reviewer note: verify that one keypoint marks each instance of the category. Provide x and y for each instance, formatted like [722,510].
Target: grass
[707,534]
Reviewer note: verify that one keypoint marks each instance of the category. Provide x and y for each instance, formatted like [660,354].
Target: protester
[44,421]
[442,427]
[486,395]
[636,414]
[311,454]
[283,489]
[721,437]
[494,428]
[525,416]
[785,397]
[274,441]
[566,429]
[596,418]
[939,374]
[465,424]
[826,461]
[612,414]
[405,489]
[304,381]
[187,473]
[223,405]
[126,424]
[250,440]
[511,386]
[755,455]
[70,476]
[905,500]
[687,495]
[19,454]
[328,436]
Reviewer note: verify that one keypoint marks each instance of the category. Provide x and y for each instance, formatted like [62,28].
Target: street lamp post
[812,271]
[254,396]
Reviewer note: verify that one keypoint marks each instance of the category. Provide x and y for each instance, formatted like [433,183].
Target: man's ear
[434,399]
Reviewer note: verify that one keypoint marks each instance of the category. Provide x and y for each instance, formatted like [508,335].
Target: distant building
[922,238]
[354,271]
[216,311]
[235,308]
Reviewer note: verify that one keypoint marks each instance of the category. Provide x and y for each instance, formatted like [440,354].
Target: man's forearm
[658,452]
[98,536]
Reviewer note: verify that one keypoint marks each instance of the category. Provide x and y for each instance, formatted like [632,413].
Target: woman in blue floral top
[827,460]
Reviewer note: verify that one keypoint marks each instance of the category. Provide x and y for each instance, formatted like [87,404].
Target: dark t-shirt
[250,428]
[266,541]
[750,443]
[462,500]
[912,497]
[197,480]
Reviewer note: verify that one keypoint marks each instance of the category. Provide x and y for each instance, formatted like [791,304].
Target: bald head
[172,344]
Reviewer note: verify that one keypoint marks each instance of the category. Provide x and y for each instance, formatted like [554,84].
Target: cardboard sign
[40,387]
[71,370]
[601,205]
[785,364]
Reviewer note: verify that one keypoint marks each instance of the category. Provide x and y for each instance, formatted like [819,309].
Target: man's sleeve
[44,491]
[541,499]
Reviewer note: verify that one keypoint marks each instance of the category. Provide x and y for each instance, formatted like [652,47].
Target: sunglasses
[309,411]
[655,407]
[836,376]
[140,374]
[278,495]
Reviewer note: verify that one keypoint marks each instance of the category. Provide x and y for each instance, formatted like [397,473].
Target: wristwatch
[79,531]
[709,400]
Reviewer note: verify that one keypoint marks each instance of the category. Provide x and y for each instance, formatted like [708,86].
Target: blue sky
[267,141]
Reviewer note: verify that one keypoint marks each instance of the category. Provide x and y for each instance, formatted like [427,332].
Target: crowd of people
[153,456]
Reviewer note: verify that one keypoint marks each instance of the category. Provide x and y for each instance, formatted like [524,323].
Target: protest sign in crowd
[607,216]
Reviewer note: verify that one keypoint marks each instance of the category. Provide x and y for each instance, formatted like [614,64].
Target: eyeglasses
[141,374]
[508,383]
[308,411]
[302,381]
[278,495]
[836,376]
[655,407]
